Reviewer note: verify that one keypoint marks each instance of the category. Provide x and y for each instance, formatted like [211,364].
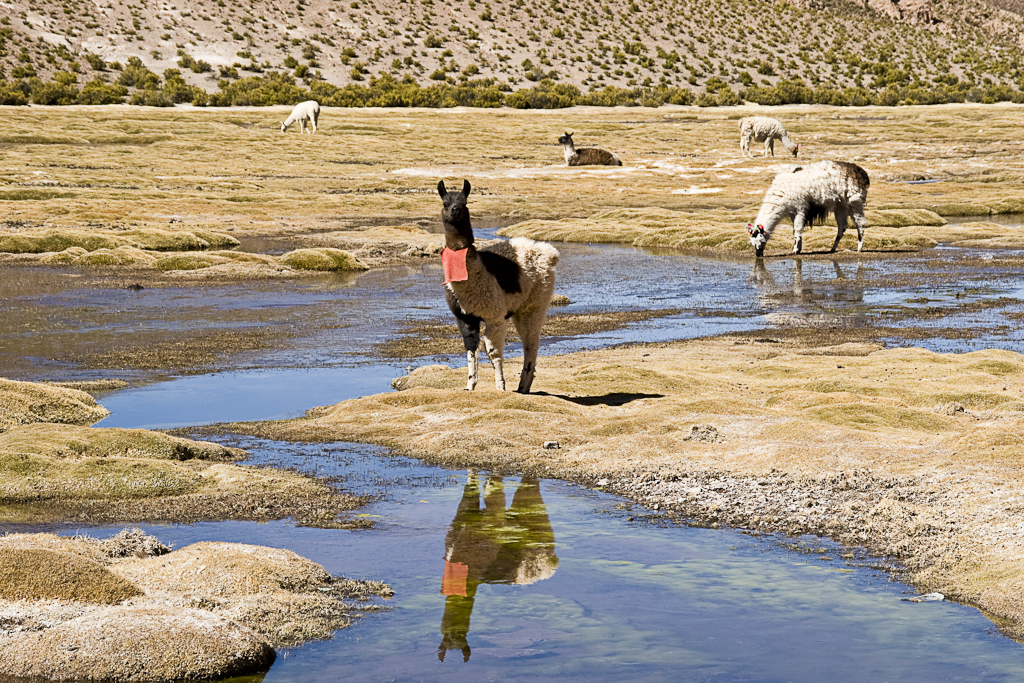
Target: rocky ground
[678,43]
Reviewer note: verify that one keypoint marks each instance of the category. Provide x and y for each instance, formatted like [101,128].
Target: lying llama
[513,279]
[766,130]
[808,195]
[308,111]
[587,156]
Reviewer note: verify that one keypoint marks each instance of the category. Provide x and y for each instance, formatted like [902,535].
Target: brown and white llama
[767,130]
[586,156]
[808,195]
[513,279]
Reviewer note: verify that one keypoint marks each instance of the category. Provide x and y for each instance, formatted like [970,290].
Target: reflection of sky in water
[627,601]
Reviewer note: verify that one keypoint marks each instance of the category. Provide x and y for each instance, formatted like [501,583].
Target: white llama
[304,112]
[808,195]
[766,130]
[513,279]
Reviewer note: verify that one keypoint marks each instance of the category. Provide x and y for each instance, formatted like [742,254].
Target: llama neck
[458,237]
[569,149]
[788,142]
[770,216]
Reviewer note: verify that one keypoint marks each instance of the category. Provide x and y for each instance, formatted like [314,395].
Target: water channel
[514,578]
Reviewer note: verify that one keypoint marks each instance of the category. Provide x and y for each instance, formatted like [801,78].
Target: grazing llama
[808,195]
[304,112]
[766,130]
[587,156]
[513,279]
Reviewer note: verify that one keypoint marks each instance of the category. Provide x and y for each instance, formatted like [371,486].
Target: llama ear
[441,189]
[465,187]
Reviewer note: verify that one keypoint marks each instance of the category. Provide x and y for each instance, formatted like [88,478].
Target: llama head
[758,237]
[796,150]
[566,139]
[455,216]
[284,126]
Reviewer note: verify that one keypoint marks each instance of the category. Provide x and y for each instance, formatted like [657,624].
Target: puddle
[514,578]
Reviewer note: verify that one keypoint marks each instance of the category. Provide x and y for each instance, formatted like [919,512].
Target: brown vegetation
[129,609]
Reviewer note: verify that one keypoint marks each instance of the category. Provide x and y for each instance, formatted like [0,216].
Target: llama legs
[528,325]
[861,222]
[494,343]
[469,328]
[841,224]
[798,233]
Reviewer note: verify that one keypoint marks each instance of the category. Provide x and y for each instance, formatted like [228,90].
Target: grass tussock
[63,239]
[326,259]
[209,610]
[40,574]
[24,403]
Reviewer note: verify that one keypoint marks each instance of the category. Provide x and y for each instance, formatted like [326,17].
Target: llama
[766,130]
[308,111]
[513,279]
[587,156]
[808,195]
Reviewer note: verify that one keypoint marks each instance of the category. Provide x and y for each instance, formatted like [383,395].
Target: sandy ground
[910,453]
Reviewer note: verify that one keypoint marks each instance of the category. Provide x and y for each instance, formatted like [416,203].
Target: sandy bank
[912,453]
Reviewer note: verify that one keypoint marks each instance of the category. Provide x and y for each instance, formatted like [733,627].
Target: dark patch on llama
[500,261]
[816,214]
[859,175]
[469,324]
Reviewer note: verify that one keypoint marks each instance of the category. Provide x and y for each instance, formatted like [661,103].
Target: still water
[509,579]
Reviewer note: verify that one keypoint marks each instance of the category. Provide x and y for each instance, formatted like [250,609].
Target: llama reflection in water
[492,544]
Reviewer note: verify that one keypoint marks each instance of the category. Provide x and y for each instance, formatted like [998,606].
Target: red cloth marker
[453,262]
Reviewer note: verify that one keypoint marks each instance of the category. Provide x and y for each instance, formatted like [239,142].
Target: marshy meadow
[235,442]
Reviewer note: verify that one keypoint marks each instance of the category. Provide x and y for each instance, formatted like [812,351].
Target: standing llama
[308,111]
[513,279]
[808,195]
[587,156]
[766,130]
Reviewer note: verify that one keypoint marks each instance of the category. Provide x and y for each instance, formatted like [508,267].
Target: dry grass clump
[324,258]
[779,407]
[138,643]
[65,441]
[190,261]
[208,610]
[122,256]
[38,242]
[36,574]
[61,240]
[27,402]
[284,597]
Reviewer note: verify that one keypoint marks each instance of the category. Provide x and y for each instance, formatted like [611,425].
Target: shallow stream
[546,580]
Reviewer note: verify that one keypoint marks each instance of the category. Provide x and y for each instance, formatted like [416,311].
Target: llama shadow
[492,544]
[615,398]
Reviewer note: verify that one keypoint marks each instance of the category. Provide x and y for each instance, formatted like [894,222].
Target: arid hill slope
[584,42]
